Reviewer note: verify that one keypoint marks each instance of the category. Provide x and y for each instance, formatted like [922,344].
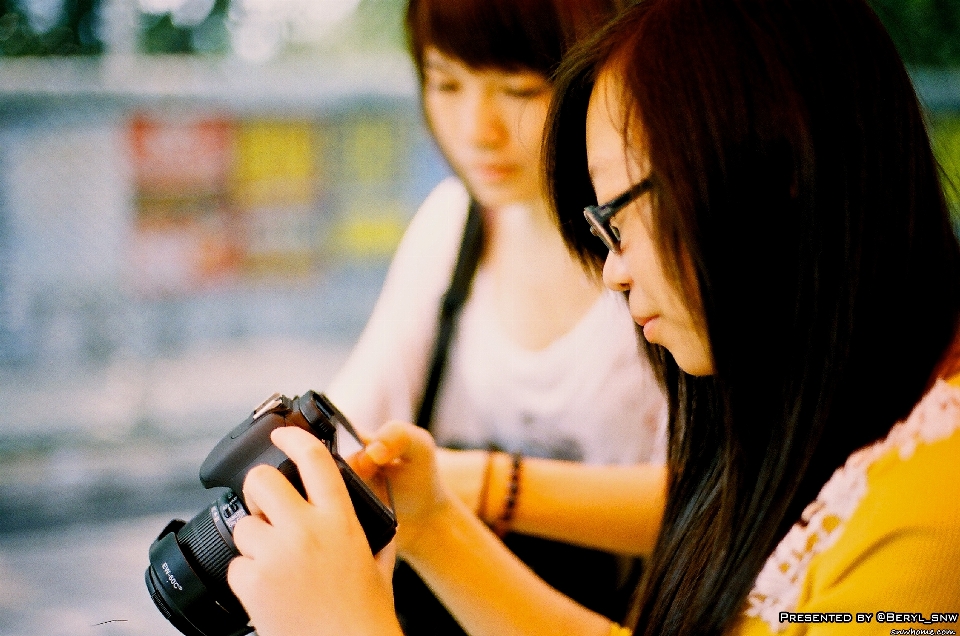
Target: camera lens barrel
[187,575]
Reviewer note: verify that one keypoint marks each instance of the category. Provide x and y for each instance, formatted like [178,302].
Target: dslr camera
[187,575]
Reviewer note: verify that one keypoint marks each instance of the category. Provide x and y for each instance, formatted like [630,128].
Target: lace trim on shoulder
[777,588]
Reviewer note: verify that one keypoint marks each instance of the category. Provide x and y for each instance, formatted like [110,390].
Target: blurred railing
[290,84]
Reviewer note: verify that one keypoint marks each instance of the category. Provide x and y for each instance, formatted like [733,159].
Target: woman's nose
[486,123]
[615,274]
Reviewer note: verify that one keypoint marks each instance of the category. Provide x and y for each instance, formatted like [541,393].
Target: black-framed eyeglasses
[598,216]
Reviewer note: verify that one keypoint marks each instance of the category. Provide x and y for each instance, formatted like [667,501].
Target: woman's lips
[649,326]
[493,171]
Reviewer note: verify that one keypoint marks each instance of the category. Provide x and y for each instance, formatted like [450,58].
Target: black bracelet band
[502,525]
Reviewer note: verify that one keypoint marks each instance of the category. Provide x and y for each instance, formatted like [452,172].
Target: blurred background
[198,202]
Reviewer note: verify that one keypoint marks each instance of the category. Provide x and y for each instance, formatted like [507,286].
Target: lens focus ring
[203,545]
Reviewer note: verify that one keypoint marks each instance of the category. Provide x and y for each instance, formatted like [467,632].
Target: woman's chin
[491,193]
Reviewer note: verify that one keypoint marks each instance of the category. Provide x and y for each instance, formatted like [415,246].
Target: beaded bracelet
[502,525]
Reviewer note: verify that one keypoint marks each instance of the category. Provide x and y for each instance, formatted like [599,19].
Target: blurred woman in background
[535,369]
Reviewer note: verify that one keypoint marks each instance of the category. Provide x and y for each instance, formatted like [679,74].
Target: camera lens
[187,575]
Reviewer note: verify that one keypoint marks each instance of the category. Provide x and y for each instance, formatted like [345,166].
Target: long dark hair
[796,186]
[515,35]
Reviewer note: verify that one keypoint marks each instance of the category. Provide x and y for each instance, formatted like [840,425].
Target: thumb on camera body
[407,455]
[305,565]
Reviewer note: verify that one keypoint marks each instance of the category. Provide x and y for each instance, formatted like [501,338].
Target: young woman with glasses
[777,221]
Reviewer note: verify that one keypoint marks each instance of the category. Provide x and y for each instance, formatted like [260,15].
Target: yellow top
[878,551]
[617,630]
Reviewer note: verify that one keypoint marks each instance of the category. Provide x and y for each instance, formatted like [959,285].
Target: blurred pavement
[72,582]
[80,508]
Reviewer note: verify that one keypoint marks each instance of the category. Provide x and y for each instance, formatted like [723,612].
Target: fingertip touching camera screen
[187,575]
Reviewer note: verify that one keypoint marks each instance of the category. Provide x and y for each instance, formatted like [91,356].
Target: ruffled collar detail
[777,588]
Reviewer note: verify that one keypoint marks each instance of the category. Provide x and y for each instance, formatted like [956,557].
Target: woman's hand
[486,587]
[305,565]
[407,456]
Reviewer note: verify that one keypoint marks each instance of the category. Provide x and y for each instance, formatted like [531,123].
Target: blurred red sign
[183,153]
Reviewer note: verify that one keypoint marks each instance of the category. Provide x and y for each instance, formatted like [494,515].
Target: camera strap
[456,295]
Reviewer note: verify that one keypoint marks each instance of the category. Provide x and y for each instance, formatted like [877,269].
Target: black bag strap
[467,261]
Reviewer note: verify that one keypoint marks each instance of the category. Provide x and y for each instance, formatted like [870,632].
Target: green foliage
[159,34]
[378,24]
[945,135]
[73,33]
[375,25]
[926,32]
